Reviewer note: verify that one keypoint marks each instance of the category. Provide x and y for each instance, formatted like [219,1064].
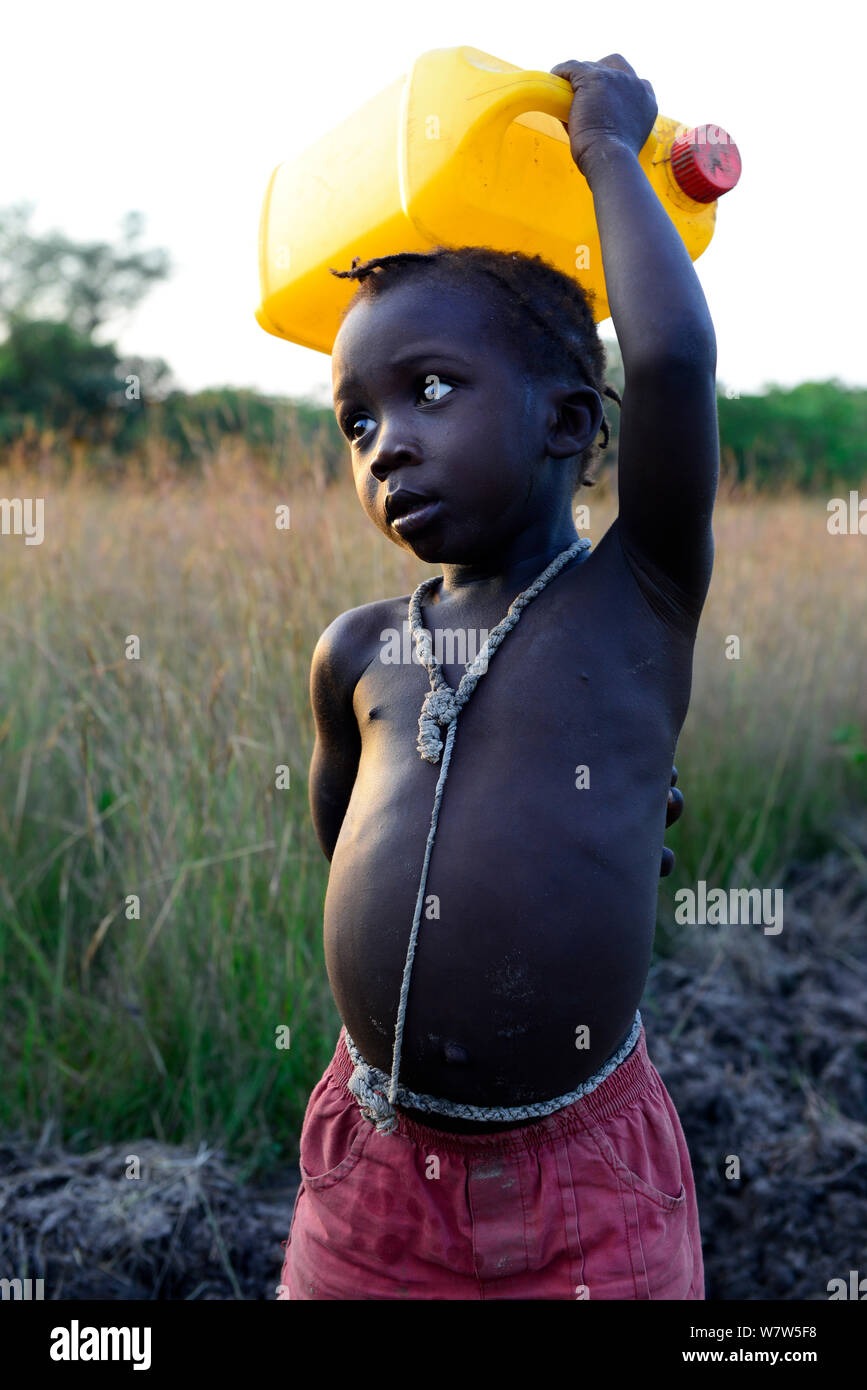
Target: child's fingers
[571,68]
[573,71]
[674,808]
[617,60]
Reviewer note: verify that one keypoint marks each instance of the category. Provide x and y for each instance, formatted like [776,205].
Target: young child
[491,1125]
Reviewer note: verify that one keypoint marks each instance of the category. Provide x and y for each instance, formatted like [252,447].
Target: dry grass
[156,777]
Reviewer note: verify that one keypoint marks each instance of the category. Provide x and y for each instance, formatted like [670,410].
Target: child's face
[471,440]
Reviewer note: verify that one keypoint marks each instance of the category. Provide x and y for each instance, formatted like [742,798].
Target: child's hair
[546,315]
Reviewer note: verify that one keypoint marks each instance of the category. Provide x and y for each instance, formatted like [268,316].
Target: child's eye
[350,426]
[434,385]
[430,387]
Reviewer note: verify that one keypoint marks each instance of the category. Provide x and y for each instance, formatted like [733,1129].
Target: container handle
[520,90]
[523,91]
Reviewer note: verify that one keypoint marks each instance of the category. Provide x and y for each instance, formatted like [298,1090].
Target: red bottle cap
[705,162]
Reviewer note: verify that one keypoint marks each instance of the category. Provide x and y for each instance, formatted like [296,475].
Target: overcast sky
[182,110]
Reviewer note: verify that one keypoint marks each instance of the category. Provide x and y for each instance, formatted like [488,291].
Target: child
[491,1125]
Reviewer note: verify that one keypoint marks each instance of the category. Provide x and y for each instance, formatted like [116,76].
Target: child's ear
[578,416]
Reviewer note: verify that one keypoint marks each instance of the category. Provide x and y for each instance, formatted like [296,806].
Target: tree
[51,373]
[54,294]
[83,284]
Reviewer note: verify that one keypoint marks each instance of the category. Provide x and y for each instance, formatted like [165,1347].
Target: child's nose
[394,449]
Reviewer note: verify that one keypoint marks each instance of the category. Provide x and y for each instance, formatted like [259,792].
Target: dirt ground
[760,1039]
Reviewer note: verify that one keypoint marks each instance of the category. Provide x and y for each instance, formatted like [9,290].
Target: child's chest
[578,669]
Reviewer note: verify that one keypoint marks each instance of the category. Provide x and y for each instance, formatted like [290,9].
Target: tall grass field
[155,777]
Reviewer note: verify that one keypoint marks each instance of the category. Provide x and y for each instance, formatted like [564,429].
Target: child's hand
[673,812]
[611,105]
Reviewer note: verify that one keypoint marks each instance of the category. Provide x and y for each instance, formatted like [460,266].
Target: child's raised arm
[669,446]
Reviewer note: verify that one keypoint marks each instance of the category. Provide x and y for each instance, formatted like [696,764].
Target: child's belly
[538,913]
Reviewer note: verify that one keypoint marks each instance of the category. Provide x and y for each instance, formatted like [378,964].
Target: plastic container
[464,150]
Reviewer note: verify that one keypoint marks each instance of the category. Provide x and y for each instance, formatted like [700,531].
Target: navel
[455,1054]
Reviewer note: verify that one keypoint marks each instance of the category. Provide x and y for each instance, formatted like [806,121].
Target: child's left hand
[611,105]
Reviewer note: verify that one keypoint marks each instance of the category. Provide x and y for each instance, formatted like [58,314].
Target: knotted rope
[440,710]
[442,704]
[367,1082]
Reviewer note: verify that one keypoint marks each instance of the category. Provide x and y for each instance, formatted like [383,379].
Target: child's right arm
[337,749]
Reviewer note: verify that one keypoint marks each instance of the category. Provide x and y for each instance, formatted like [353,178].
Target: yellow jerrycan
[465,150]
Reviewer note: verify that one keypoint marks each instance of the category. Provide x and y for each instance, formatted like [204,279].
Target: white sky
[182,110]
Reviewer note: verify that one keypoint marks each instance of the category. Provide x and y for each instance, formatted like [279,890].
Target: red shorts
[595,1201]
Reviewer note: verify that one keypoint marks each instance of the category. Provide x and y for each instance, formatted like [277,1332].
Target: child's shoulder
[348,643]
[355,625]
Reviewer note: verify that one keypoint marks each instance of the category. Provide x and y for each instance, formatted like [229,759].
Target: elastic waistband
[618,1082]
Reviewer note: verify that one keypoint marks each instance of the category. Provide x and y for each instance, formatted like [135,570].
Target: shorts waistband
[618,1082]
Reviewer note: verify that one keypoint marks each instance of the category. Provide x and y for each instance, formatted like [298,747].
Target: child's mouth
[417,519]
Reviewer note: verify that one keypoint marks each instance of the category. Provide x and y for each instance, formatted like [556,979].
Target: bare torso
[546,892]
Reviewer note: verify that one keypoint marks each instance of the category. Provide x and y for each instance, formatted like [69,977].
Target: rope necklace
[440,710]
